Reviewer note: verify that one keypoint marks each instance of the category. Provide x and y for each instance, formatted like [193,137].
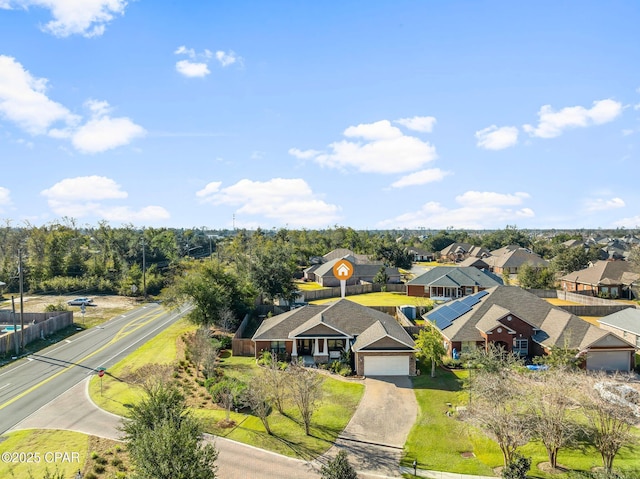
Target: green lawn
[382,299]
[338,404]
[438,441]
[41,445]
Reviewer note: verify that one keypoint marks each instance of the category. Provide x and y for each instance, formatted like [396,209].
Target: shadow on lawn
[445,380]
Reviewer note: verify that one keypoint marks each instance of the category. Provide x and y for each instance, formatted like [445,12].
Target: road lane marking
[53,376]
[8,384]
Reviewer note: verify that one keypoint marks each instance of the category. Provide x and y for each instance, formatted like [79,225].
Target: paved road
[34,381]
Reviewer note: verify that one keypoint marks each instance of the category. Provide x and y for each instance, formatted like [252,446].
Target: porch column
[294,349]
[325,348]
[346,344]
[315,347]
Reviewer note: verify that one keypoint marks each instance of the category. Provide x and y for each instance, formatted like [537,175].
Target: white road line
[8,384]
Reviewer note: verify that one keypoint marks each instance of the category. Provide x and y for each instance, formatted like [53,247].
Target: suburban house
[475,262]
[321,333]
[457,252]
[362,272]
[625,323]
[524,324]
[418,254]
[509,259]
[603,278]
[446,282]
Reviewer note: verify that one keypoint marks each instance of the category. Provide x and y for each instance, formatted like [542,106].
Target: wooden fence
[36,326]
[352,290]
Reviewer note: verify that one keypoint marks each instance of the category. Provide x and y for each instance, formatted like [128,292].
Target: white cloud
[102,132]
[182,50]
[552,123]
[285,201]
[627,132]
[381,148]
[192,69]
[424,124]
[5,197]
[477,210]
[497,138]
[209,190]
[23,100]
[601,204]
[636,106]
[85,17]
[83,196]
[227,58]
[631,222]
[490,199]
[421,178]
[85,188]
[304,155]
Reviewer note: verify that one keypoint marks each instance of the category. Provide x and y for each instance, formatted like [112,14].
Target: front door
[305,347]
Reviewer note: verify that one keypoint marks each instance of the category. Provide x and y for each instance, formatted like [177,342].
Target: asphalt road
[34,381]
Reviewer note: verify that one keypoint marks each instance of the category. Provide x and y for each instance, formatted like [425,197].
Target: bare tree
[277,380]
[197,344]
[149,376]
[500,411]
[258,397]
[306,391]
[611,409]
[550,399]
[210,360]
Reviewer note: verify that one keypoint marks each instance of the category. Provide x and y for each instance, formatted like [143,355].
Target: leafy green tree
[381,276]
[430,347]
[213,290]
[567,260]
[165,441]
[535,278]
[339,467]
[273,269]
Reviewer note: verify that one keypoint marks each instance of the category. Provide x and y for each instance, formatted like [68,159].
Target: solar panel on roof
[439,320]
[470,300]
[459,307]
[481,294]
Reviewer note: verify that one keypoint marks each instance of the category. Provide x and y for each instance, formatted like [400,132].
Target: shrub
[224,341]
[98,468]
[345,371]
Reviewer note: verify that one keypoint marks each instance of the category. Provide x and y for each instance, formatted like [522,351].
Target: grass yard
[309,286]
[336,408]
[116,394]
[443,443]
[44,444]
[382,299]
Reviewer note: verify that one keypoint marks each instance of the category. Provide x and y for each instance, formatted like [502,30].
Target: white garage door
[608,360]
[386,365]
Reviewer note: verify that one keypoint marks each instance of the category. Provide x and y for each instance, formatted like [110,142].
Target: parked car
[80,302]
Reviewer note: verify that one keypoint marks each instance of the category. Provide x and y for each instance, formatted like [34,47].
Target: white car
[80,302]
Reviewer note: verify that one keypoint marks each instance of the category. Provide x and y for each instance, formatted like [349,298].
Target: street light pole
[144,271]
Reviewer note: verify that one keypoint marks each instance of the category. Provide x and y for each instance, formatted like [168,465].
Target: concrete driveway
[376,434]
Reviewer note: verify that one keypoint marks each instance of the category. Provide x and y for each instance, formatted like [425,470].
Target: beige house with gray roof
[322,333]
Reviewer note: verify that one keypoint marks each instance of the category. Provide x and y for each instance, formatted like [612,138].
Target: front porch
[320,349]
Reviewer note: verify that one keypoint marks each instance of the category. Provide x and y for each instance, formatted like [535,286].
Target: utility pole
[21,281]
[144,271]
[15,326]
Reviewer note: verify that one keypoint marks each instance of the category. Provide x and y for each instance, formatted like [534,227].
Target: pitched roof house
[522,323]
[459,251]
[611,278]
[320,333]
[625,323]
[509,259]
[451,282]
[362,272]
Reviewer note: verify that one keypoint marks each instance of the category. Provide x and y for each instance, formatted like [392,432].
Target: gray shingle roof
[626,320]
[556,326]
[343,315]
[455,276]
[615,272]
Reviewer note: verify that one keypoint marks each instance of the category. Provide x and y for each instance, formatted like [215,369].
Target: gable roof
[359,269]
[555,326]
[344,316]
[514,258]
[626,320]
[604,272]
[455,276]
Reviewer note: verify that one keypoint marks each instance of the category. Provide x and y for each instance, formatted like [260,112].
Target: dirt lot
[102,309]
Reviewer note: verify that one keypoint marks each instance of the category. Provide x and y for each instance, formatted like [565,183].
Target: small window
[278,346]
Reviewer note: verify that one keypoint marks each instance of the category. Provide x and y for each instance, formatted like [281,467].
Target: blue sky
[299,114]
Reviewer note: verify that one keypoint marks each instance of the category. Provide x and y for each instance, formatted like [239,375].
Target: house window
[278,346]
[335,344]
[468,290]
[467,346]
[521,346]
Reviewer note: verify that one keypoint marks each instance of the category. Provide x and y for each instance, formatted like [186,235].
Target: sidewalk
[440,475]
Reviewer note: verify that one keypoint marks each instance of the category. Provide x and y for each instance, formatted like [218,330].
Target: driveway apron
[375,436]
